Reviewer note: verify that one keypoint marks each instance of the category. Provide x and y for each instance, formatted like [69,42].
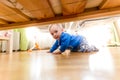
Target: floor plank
[39,65]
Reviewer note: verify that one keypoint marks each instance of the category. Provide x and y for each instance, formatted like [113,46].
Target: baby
[65,41]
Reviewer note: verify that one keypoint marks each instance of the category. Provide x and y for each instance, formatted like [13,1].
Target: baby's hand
[48,52]
[57,51]
[67,52]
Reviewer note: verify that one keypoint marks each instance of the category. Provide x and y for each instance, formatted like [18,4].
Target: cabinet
[14,44]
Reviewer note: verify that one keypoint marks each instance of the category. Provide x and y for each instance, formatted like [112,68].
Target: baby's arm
[54,47]
[55,52]
[66,52]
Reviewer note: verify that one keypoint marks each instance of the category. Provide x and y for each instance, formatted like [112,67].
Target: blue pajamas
[85,47]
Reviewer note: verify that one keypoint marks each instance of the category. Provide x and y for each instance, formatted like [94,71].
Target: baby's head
[56,30]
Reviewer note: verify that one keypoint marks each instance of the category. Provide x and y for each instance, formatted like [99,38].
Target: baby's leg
[94,49]
[85,47]
[88,48]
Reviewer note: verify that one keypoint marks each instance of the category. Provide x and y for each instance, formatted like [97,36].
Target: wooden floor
[38,65]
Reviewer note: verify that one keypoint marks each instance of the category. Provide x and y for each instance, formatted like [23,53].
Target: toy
[35,46]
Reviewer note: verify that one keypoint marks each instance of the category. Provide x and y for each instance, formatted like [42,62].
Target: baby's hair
[51,25]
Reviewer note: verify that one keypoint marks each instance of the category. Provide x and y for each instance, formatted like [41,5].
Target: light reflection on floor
[41,64]
[102,61]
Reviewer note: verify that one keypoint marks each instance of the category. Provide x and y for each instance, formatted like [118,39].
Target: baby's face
[56,31]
